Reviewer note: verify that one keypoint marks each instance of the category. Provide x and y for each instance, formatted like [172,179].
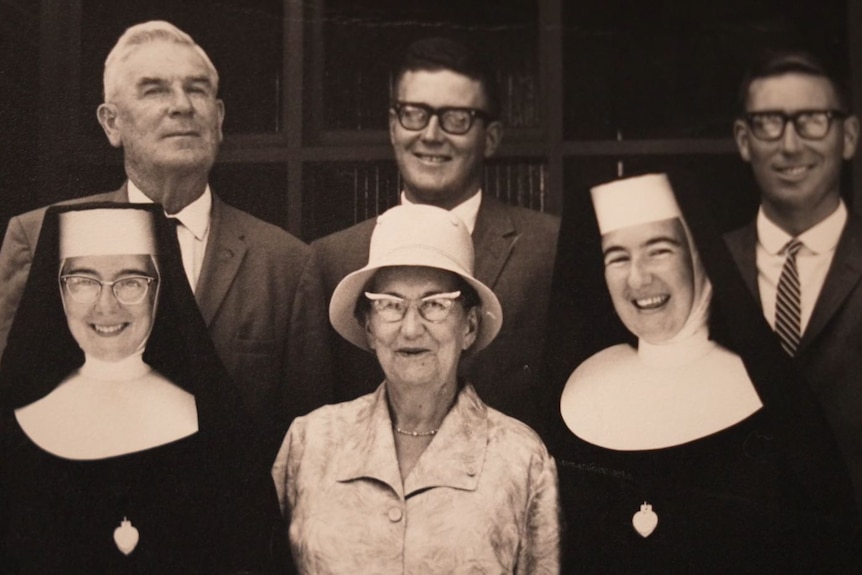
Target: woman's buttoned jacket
[482,498]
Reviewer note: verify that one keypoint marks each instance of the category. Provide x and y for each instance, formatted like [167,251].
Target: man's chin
[186,159]
[442,196]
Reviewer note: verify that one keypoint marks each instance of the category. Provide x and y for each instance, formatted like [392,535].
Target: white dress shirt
[192,232]
[812,260]
[468,210]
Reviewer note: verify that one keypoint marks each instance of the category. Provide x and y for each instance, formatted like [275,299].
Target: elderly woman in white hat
[680,454]
[121,439]
[419,476]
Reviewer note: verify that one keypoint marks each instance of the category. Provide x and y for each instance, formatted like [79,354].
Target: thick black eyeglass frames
[456,121]
[769,125]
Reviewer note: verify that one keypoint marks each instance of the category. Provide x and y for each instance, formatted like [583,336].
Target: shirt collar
[821,238]
[468,210]
[195,216]
[454,458]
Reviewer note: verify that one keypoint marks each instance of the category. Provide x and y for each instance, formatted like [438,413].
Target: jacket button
[395,515]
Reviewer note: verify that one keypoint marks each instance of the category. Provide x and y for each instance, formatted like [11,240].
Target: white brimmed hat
[632,201]
[415,235]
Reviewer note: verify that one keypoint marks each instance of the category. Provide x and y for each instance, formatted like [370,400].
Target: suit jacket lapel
[226,249]
[844,273]
[743,247]
[493,238]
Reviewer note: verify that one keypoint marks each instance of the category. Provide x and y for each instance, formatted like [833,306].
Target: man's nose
[791,141]
[432,132]
[180,101]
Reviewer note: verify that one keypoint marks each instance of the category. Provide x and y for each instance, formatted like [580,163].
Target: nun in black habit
[684,440]
[121,437]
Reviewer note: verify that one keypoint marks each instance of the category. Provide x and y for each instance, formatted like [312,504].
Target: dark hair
[777,63]
[469,297]
[440,53]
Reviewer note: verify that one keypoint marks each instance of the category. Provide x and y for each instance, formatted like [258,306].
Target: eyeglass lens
[434,308]
[129,290]
[455,121]
[812,125]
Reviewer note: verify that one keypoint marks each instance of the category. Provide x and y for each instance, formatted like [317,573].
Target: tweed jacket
[482,498]
[258,297]
[830,351]
[515,249]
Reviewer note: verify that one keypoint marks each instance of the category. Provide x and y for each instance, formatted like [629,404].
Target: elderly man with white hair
[252,280]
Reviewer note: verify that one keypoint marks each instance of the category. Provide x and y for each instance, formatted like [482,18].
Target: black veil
[41,350]
[583,322]
[41,353]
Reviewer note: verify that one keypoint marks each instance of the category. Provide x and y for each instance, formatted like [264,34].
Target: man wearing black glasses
[802,256]
[443,125]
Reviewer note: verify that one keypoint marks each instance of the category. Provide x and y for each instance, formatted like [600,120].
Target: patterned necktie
[787,303]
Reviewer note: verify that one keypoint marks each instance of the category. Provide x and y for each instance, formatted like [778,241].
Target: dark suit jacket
[515,249]
[257,294]
[830,351]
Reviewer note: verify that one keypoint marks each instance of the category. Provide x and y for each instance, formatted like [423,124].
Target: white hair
[144,33]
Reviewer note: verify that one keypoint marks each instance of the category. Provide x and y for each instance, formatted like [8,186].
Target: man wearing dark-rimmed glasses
[444,124]
[802,255]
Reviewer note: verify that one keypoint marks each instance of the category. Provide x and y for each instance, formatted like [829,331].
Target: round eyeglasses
[434,308]
[456,121]
[129,290]
[809,124]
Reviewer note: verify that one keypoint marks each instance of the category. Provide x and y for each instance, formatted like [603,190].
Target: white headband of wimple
[106,232]
[623,203]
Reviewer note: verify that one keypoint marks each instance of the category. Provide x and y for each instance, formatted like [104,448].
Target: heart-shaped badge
[645,520]
[126,536]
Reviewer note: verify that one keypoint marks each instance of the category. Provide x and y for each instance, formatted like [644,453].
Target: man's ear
[851,136]
[220,111]
[742,137]
[393,120]
[493,136]
[108,115]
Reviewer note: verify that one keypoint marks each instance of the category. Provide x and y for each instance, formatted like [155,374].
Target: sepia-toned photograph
[379,287]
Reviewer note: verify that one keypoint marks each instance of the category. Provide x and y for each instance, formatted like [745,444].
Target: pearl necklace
[415,433]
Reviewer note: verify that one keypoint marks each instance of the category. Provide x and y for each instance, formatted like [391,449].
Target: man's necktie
[186,239]
[787,303]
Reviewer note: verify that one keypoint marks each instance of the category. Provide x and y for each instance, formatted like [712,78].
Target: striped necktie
[787,303]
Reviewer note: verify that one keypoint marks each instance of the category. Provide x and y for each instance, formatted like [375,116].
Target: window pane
[338,195]
[364,39]
[669,69]
[259,189]
[724,178]
[520,182]
[19,117]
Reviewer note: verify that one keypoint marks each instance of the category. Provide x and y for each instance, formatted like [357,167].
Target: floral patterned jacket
[482,498]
